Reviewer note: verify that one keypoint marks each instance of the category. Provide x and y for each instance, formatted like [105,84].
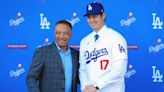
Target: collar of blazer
[55,53]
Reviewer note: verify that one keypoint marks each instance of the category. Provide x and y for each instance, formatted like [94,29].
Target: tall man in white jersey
[103,55]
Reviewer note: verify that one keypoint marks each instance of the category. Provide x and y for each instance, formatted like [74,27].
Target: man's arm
[34,72]
[82,69]
[118,68]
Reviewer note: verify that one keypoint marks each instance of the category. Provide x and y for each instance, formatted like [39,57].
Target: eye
[89,16]
[58,32]
[66,33]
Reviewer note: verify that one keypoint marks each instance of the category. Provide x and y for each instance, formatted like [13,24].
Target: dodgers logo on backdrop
[18,20]
[157,23]
[159,46]
[127,22]
[95,54]
[16,73]
[157,76]
[74,19]
[44,22]
[130,71]
[46,42]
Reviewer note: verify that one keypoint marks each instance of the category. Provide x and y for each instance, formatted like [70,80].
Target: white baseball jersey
[103,62]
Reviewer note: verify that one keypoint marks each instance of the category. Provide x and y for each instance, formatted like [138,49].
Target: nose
[62,35]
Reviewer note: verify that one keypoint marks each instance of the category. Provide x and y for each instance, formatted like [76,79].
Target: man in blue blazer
[54,67]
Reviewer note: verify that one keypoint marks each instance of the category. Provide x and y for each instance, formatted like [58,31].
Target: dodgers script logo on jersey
[95,54]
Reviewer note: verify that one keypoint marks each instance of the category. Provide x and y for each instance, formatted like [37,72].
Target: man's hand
[89,88]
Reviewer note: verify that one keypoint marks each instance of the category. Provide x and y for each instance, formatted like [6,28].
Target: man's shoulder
[45,47]
[115,34]
[87,38]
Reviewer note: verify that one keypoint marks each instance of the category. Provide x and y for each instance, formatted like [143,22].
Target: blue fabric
[67,64]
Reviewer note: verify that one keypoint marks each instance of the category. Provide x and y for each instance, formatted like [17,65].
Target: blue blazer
[46,73]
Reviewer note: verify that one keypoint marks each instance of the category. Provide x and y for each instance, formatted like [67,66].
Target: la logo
[157,77]
[43,22]
[157,24]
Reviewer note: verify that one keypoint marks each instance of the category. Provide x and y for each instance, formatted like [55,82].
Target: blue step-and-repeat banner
[28,24]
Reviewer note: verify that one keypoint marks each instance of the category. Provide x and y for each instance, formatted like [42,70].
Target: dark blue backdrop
[28,24]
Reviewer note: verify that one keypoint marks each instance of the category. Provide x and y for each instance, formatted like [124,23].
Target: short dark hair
[64,22]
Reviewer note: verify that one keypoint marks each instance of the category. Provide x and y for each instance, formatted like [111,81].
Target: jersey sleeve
[119,49]
[82,70]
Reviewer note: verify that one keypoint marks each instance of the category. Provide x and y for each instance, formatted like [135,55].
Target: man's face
[62,34]
[96,22]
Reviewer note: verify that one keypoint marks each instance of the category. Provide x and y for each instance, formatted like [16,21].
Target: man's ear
[104,16]
[70,33]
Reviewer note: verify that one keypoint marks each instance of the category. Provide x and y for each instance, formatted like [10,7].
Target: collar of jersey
[101,31]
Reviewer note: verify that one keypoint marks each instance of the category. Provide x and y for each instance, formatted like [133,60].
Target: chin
[62,45]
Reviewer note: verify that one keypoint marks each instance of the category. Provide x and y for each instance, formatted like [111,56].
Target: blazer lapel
[56,56]
[73,61]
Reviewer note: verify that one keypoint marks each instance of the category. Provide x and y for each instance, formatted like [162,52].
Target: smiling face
[62,35]
[96,22]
